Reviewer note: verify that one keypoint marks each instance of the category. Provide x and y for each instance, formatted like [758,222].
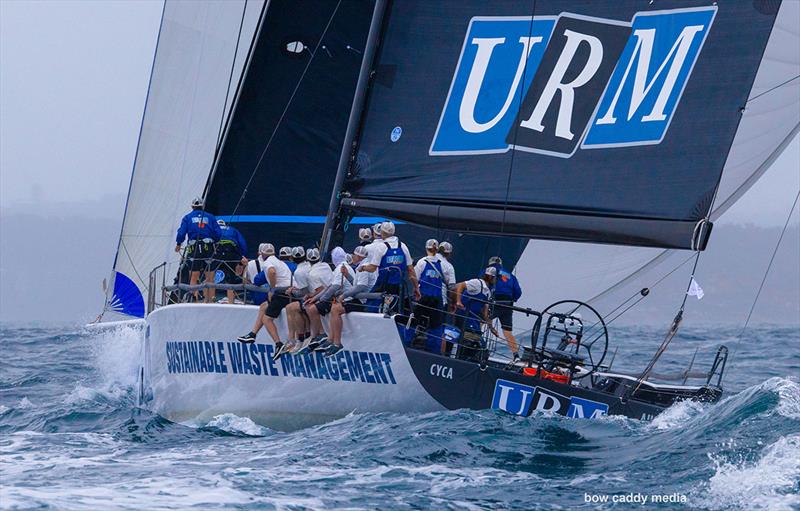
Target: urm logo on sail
[550,85]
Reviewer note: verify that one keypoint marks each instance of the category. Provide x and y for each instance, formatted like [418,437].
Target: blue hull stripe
[297,219]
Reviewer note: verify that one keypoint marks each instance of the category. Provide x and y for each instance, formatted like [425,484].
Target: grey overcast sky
[72,89]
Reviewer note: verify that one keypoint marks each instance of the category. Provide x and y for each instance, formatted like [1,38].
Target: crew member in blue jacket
[200,231]
[230,256]
[506,292]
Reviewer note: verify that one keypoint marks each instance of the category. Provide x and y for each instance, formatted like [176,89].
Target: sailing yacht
[616,132]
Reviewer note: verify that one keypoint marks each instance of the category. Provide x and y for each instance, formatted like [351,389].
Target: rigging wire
[772,88]
[764,279]
[285,109]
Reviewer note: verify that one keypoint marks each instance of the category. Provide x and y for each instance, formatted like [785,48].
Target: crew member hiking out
[230,256]
[279,278]
[200,231]
[506,291]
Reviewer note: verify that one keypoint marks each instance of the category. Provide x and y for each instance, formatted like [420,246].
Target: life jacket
[431,281]
[393,266]
[473,308]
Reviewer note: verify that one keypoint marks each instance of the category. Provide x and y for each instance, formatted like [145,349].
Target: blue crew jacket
[233,234]
[198,225]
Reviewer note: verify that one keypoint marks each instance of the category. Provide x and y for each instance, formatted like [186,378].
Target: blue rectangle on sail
[646,86]
[485,92]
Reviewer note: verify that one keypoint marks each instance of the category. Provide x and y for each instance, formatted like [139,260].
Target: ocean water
[71,437]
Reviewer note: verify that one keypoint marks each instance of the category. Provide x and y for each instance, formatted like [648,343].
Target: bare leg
[336,324]
[512,341]
[314,318]
[210,292]
[260,318]
[194,278]
[292,319]
[272,329]
[231,296]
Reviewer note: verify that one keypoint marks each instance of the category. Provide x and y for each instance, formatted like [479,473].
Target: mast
[359,100]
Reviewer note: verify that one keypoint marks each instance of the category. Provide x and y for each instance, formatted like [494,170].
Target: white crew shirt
[319,276]
[252,268]
[283,275]
[478,286]
[378,249]
[300,279]
[365,278]
[448,269]
[338,279]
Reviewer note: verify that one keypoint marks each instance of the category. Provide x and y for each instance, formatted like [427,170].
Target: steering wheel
[593,345]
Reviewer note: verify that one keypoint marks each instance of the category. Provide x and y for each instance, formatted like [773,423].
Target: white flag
[695,290]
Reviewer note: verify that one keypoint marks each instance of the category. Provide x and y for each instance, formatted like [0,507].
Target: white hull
[193,370]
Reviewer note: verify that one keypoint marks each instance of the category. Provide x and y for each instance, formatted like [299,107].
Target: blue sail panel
[126,299]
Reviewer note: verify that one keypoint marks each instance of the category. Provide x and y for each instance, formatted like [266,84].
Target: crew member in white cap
[391,259]
[433,287]
[363,282]
[472,302]
[365,236]
[256,267]
[320,276]
[279,278]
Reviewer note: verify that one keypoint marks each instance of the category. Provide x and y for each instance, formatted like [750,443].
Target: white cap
[220,221]
[491,271]
[387,228]
[266,249]
[197,201]
[312,254]
[298,252]
[432,244]
[376,230]
[446,247]
[285,251]
[361,251]
[495,260]
[365,234]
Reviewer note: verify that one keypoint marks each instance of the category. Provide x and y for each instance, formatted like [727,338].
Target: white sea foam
[240,425]
[788,397]
[676,415]
[117,355]
[3,409]
[769,483]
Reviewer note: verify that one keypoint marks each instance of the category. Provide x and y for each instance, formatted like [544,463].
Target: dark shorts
[277,304]
[199,256]
[504,314]
[323,308]
[429,311]
[354,306]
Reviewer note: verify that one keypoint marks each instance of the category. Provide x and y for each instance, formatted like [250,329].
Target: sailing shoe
[324,345]
[278,351]
[313,343]
[332,350]
[247,339]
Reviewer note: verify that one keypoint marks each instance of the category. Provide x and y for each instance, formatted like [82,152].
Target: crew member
[391,259]
[255,268]
[363,282]
[506,291]
[200,230]
[320,276]
[472,302]
[320,304]
[296,319]
[230,256]
[365,236]
[432,286]
[279,278]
